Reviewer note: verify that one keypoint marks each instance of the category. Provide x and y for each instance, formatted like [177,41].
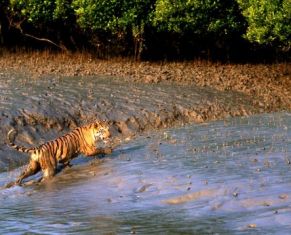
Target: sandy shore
[270,85]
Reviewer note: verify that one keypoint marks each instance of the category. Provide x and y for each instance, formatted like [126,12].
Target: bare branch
[44,40]
[17,25]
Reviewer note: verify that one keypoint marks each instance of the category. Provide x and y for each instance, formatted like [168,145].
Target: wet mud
[43,109]
[175,168]
[269,85]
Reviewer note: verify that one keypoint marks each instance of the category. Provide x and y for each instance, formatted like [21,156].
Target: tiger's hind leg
[32,169]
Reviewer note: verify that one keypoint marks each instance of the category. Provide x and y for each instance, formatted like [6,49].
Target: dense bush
[120,18]
[200,17]
[137,26]
[269,22]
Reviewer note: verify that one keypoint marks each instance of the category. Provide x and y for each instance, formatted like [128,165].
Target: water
[223,177]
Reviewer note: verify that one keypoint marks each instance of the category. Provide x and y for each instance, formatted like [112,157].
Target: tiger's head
[99,130]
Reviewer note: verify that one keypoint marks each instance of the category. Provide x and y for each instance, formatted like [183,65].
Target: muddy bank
[269,85]
[42,109]
[44,95]
[233,175]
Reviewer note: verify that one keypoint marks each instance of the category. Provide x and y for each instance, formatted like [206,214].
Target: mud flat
[268,84]
[42,109]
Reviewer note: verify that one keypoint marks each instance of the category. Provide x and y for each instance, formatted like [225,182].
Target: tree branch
[17,25]
[44,40]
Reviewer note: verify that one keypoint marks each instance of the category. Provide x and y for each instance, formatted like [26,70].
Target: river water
[223,177]
[167,175]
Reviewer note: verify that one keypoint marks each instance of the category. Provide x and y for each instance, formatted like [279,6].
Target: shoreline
[136,96]
[268,85]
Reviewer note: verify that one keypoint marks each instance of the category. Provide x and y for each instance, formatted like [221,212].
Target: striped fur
[61,150]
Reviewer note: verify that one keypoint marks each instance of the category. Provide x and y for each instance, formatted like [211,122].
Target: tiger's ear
[108,122]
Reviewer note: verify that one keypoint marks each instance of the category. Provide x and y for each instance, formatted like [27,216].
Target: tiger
[46,157]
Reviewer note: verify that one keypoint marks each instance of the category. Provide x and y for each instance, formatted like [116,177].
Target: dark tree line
[152,29]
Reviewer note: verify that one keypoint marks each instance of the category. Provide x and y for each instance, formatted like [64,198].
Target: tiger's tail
[10,141]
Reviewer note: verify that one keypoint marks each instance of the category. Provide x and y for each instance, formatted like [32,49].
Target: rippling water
[224,177]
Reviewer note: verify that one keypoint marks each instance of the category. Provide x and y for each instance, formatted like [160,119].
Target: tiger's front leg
[107,150]
[67,164]
[96,151]
[48,173]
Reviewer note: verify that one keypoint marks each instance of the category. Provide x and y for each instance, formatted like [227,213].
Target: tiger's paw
[10,184]
[108,150]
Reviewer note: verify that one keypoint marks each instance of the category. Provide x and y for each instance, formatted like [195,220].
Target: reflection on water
[223,177]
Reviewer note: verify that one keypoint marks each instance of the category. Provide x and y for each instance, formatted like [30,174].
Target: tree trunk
[138,33]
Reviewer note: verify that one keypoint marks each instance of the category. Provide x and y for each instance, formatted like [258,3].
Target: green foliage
[269,22]
[32,10]
[198,16]
[63,10]
[97,15]
[118,17]
[40,11]
[136,13]
[112,15]
[137,22]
